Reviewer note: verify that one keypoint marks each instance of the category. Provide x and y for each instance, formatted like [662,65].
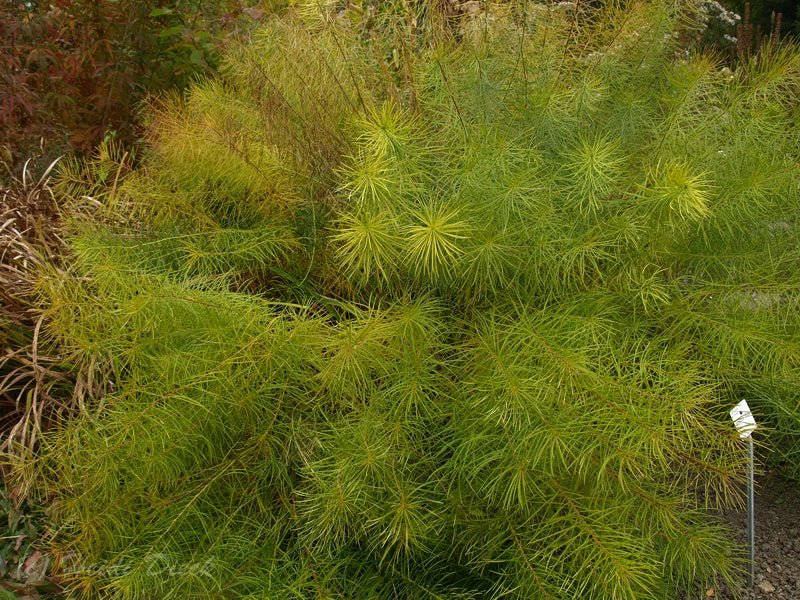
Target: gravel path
[777,568]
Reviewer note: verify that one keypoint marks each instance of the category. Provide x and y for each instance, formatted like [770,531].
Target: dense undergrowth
[429,309]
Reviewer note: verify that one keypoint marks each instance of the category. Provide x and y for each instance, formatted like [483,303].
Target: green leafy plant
[463,326]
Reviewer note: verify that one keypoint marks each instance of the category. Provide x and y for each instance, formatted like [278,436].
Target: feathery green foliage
[463,326]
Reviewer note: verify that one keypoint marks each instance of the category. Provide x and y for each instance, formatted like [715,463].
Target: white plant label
[743,419]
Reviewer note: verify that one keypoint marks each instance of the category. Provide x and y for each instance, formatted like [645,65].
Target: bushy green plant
[463,326]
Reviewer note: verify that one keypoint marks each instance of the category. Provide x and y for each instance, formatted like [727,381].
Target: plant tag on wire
[743,419]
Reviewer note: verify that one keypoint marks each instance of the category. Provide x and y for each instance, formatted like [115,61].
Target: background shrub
[74,71]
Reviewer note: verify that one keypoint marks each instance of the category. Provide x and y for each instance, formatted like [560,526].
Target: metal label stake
[746,424]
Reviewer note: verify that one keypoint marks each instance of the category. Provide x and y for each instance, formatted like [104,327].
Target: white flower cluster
[711,9]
